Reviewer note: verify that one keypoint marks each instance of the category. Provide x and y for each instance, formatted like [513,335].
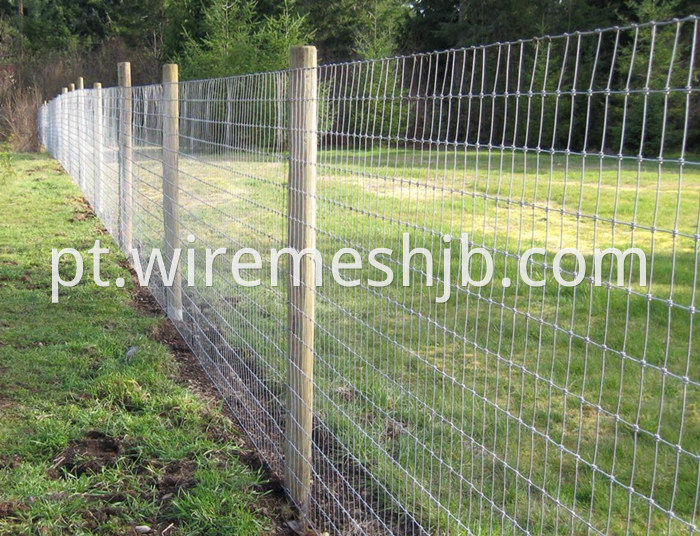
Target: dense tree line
[45,43]
[250,34]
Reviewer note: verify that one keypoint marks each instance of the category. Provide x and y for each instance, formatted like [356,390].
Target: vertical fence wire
[505,408]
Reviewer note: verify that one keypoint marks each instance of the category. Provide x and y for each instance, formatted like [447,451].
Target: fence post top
[124,73]
[170,72]
[97,85]
[303,47]
[81,83]
[71,87]
[303,56]
[64,90]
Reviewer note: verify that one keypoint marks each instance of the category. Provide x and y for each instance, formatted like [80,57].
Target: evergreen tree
[236,41]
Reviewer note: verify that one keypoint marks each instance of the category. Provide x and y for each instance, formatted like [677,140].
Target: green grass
[498,416]
[65,376]
[483,396]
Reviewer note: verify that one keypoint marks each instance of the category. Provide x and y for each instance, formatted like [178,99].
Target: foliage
[55,41]
[343,29]
[357,28]
[18,107]
[381,107]
[661,128]
[440,24]
[236,41]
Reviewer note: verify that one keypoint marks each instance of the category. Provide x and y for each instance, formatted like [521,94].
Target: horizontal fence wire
[507,408]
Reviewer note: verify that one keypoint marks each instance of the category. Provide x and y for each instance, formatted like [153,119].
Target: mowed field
[547,410]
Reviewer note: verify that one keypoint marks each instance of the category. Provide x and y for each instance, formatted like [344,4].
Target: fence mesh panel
[506,408]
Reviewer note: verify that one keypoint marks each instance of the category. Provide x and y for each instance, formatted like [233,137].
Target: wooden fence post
[125,157]
[301,235]
[97,145]
[280,133]
[71,134]
[81,139]
[60,135]
[171,189]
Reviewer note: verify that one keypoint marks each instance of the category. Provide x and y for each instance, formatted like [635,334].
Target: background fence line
[507,409]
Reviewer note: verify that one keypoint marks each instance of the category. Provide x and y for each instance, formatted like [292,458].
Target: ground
[554,409]
[106,421]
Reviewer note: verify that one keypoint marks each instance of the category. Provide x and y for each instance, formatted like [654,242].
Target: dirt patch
[88,455]
[5,404]
[141,299]
[82,211]
[97,517]
[9,462]
[144,303]
[27,345]
[81,216]
[165,333]
[11,509]
[30,282]
[178,475]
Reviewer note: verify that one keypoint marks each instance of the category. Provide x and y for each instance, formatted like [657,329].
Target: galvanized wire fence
[507,408]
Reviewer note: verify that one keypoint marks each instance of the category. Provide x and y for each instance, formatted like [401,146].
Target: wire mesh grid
[507,408]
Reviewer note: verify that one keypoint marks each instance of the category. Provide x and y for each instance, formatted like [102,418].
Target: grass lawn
[556,410]
[95,438]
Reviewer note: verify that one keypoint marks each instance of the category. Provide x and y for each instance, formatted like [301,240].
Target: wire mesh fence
[503,408]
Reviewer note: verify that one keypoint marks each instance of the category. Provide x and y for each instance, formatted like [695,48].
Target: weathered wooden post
[62,126]
[71,133]
[171,189]
[97,145]
[81,139]
[279,137]
[301,235]
[125,157]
